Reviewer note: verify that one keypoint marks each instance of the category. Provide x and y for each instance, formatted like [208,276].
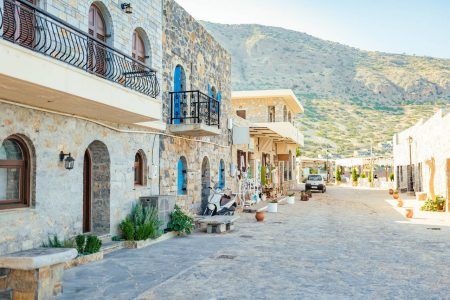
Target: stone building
[268,119]
[196,106]
[79,80]
[422,157]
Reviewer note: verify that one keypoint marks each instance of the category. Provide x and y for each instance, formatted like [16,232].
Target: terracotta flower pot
[400,203]
[395,196]
[391,192]
[409,213]
[259,216]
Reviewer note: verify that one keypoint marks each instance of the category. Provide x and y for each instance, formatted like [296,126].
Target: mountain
[352,98]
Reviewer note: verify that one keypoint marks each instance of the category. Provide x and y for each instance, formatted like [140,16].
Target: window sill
[4,210]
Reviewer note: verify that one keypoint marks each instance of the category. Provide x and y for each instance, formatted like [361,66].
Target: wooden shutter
[241,113]
[97,52]
[138,51]
[19,23]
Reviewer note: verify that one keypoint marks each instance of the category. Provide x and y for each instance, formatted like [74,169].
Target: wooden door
[19,23]
[96,51]
[87,191]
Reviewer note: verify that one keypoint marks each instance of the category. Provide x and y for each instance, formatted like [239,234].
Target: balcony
[194,113]
[280,132]
[47,63]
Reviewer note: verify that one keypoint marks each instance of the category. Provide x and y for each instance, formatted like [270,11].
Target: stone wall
[205,62]
[57,193]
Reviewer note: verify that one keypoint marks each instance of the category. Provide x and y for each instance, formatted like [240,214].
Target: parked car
[316,182]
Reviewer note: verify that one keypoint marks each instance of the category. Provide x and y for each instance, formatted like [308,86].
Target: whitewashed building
[425,149]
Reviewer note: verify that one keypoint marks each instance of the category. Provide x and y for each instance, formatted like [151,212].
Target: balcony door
[19,22]
[96,51]
[138,50]
[179,83]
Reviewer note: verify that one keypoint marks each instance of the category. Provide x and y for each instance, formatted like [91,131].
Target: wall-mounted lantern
[69,162]
[126,7]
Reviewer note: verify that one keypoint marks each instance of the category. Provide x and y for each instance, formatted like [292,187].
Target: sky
[420,27]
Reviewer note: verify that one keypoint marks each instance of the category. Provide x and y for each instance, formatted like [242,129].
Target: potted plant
[395,195]
[304,196]
[391,192]
[273,206]
[338,176]
[291,198]
[259,215]
[409,212]
[400,203]
[354,177]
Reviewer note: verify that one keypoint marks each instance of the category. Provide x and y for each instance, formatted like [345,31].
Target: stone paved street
[343,244]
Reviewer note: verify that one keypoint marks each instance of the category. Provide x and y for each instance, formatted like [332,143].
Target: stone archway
[206,183]
[97,185]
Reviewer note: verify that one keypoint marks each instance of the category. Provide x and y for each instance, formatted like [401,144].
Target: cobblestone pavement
[343,244]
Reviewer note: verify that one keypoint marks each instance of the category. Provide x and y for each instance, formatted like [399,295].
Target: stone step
[105,238]
[111,246]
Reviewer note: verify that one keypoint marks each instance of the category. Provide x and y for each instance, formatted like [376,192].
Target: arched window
[138,51]
[221,182]
[284,113]
[14,173]
[139,168]
[182,176]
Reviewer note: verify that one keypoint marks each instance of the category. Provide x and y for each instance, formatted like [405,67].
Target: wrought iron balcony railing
[194,107]
[29,26]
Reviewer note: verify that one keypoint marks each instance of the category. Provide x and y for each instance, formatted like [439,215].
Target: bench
[35,273]
[218,224]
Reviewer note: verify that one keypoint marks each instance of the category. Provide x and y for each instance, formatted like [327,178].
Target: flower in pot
[304,196]
[259,216]
[400,203]
[291,198]
[395,195]
[409,213]
[391,191]
[273,206]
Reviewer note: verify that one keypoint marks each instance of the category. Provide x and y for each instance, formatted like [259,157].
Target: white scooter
[220,203]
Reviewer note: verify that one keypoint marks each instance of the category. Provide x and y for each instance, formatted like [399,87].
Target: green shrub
[392,177]
[127,229]
[93,244]
[434,205]
[354,175]
[338,175]
[363,175]
[54,242]
[80,240]
[141,224]
[180,222]
[87,244]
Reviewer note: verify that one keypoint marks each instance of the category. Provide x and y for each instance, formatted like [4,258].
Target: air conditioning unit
[164,204]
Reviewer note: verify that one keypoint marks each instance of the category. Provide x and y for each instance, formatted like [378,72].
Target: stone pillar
[42,283]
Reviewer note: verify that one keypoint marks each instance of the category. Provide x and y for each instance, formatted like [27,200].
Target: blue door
[221,174]
[177,87]
[180,177]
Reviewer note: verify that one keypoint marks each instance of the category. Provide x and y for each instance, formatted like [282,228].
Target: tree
[338,174]
[354,175]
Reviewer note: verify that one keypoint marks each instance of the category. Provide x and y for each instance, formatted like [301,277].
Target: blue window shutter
[180,177]
[177,87]
[219,96]
[209,90]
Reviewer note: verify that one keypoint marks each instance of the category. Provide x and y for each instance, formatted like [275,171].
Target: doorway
[96,189]
[87,188]
[206,183]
